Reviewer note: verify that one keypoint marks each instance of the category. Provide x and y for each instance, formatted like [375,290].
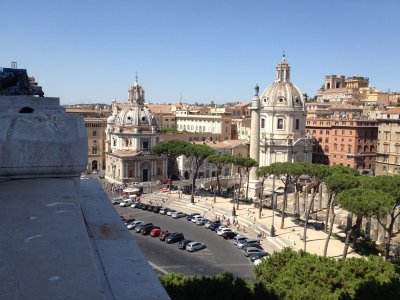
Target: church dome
[282,93]
[110,120]
[135,116]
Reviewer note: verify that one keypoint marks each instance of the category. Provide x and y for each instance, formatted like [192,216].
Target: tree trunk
[389,238]
[328,211]
[310,205]
[349,234]
[331,204]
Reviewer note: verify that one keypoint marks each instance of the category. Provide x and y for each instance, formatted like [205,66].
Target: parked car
[201,221]
[147,229]
[126,202]
[156,208]
[143,206]
[208,223]
[239,238]
[255,245]
[259,261]
[150,207]
[251,250]
[195,246]
[223,230]
[243,243]
[135,204]
[141,226]
[133,225]
[164,235]
[189,217]
[164,189]
[178,214]
[170,212]
[229,235]
[155,232]
[214,225]
[128,221]
[182,244]
[220,227]
[196,218]
[117,200]
[258,256]
[174,237]
[164,210]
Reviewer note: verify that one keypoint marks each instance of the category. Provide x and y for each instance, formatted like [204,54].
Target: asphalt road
[219,256]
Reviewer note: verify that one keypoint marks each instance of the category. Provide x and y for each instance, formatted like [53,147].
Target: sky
[89,51]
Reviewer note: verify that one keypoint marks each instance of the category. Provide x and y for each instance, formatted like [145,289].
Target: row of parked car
[250,247]
[163,235]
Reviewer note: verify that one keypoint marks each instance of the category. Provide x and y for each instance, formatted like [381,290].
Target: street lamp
[273,206]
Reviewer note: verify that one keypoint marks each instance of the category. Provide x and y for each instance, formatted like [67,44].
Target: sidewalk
[247,215]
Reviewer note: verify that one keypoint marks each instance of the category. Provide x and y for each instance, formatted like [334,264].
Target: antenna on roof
[14,64]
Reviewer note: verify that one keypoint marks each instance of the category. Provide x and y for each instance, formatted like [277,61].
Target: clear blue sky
[210,50]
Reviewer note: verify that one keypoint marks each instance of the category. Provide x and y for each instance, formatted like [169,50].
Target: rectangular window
[280,123]
[94,150]
[262,123]
[94,133]
[297,124]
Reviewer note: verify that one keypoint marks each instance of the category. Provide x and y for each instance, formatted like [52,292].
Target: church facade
[282,114]
[132,131]
[278,119]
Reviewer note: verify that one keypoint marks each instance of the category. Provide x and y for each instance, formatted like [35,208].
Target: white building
[130,135]
[191,122]
[282,112]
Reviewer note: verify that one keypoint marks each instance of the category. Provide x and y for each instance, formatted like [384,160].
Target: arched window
[328,85]
[326,150]
[365,148]
[372,148]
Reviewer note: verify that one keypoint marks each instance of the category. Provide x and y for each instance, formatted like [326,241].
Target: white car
[178,214]
[196,218]
[126,202]
[170,212]
[135,204]
[194,246]
[259,261]
[222,230]
[133,224]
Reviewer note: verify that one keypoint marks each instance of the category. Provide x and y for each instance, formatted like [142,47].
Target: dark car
[174,237]
[189,217]
[252,245]
[214,225]
[141,226]
[182,244]
[130,220]
[156,209]
[229,235]
[255,256]
[164,235]
[143,206]
[146,230]
[150,207]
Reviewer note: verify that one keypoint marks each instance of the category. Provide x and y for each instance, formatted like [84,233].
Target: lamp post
[273,206]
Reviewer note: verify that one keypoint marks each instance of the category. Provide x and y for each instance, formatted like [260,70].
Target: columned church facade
[131,133]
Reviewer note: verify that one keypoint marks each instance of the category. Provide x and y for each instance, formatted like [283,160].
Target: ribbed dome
[135,116]
[282,93]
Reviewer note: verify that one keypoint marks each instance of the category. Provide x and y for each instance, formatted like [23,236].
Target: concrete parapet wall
[38,139]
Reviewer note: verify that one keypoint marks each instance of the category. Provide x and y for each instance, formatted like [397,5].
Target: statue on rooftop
[16,82]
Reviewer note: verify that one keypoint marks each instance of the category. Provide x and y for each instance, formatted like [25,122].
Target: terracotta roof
[345,106]
[392,111]
[160,108]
